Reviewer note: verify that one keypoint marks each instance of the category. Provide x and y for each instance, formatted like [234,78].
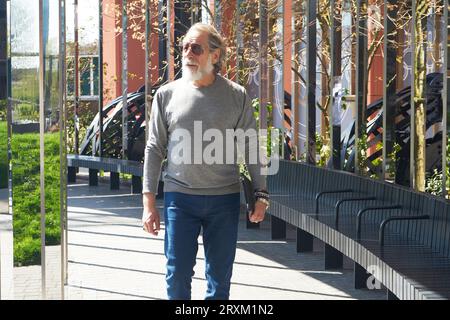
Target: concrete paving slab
[111,257]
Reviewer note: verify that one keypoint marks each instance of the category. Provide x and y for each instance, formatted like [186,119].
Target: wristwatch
[265,201]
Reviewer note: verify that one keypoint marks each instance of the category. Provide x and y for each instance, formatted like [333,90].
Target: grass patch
[26,195]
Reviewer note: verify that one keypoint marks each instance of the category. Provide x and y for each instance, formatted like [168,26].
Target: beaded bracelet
[261,195]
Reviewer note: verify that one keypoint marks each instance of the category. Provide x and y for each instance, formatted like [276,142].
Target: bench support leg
[136,185]
[334,259]
[93,177]
[278,228]
[71,174]
[304,241]
[360,276]
[114,180]
[390,295]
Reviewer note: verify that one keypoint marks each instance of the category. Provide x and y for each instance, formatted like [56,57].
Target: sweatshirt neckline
[211,86]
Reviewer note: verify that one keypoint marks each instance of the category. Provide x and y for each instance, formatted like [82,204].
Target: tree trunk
[324,18]
[419,96]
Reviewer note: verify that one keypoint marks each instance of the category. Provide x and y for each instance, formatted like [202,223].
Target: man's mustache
[187,61]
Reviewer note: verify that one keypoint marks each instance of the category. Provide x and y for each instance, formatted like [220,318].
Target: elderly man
[199,194]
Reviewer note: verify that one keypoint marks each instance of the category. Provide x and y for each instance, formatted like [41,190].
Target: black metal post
[361,79]
[71,174]
[263,64]
[297,30]
[445,99]
[93,177]
[147,75]
[170,40]
[63,144]
[305,241]
[100,78]
[360,276]
[334,259]
[136,185]
[336,44]
[278,228]
[162,45]
[76,77]
[124,80]
[389,88]
[311,51]
[239,41]
[3,52]
[114,181]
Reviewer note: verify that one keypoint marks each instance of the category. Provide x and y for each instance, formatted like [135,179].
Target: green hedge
[3,155]
[26,195]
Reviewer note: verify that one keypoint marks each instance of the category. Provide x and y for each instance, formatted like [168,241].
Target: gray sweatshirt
[179,113]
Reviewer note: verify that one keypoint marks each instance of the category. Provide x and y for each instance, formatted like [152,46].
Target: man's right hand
[150,215]
[151,221]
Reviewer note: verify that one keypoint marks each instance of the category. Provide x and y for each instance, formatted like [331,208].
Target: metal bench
[401,236]
[114,166]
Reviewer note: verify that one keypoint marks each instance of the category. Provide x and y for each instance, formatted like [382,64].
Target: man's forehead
[196,36]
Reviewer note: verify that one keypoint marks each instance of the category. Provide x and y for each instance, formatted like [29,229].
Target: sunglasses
[195,48]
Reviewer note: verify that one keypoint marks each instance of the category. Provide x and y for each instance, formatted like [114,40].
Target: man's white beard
[190,75]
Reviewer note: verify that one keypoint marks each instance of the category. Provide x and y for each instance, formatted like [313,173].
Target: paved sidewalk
[111,257]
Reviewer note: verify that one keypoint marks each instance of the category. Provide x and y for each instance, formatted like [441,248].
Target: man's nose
[188,52]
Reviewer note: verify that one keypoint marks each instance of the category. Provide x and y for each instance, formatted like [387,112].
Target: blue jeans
[184,216]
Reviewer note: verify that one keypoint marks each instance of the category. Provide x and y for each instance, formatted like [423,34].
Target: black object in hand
[249,193]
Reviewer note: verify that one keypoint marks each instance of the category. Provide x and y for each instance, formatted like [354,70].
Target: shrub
[27,251]
[3,155]
[2,110]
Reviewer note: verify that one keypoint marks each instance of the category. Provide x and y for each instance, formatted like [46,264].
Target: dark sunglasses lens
[196,48]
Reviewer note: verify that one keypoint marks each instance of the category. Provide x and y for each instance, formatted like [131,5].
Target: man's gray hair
[215,41]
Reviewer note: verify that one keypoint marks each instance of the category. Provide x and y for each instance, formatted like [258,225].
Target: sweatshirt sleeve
[247,122]
[156,146]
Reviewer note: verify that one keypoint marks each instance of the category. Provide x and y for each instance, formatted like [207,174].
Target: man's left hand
[259,212]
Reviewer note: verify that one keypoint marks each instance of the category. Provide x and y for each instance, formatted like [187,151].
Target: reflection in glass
[27,118]
[3,83]
[88,70]
[446,106]
[52,175]
[24,103]
[6,277]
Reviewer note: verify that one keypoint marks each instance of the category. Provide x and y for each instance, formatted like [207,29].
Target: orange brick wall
[112,55]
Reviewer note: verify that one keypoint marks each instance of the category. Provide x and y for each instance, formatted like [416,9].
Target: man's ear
[215,56]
